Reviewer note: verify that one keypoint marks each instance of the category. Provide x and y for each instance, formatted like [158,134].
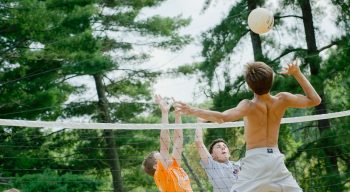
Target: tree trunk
[111,151]
[255,38]
[194,175]
[313,59]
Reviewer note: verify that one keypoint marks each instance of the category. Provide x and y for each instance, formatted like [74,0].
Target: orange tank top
[173,179]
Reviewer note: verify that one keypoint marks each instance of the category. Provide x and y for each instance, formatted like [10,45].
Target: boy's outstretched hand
[181,107]
[291,69]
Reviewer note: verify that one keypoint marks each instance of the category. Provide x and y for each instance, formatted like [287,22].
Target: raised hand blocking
[163,105]
[291,69]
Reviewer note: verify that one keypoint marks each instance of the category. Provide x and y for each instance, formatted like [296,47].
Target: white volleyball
[260,20]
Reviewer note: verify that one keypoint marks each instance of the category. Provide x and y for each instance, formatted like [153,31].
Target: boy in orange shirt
[166,170]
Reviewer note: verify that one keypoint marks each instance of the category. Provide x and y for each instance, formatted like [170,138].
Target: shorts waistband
[263,150]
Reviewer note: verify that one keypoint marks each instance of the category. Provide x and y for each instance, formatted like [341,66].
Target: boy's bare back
[262,121]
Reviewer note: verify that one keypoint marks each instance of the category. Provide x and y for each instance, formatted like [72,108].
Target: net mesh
[78,154]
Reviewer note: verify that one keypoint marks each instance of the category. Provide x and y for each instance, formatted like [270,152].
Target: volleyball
[260,20]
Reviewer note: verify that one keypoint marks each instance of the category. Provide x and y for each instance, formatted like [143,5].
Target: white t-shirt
[221,175]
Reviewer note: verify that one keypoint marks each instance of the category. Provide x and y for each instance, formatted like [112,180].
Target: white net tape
[87,125]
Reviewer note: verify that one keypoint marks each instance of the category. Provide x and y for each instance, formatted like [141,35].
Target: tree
[132,83]
[313,60]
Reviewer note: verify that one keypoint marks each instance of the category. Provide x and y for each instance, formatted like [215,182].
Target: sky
[186,88]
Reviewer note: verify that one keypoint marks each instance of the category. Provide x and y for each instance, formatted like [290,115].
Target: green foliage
[335,71]
[163,26]
[26,27]
[19,150]
[136,4]
[343,9]
[131,87]
[51,181]
[218,43]
[188,69]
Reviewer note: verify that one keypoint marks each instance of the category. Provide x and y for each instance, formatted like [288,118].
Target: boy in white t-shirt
[222,172]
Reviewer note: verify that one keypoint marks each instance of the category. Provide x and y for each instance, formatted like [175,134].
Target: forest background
[46,46]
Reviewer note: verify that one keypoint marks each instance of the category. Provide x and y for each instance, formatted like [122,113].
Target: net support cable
[87,125]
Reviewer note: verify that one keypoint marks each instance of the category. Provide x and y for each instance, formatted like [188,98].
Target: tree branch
[68,77]
[239,87]
[327,46]
[286,52]
[285,16]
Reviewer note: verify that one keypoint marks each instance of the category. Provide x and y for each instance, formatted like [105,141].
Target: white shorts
[263,170]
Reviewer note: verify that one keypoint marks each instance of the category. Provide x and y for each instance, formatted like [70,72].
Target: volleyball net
[117,126]
[42,154]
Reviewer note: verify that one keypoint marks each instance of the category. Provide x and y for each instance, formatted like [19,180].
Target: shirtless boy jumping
[263,167]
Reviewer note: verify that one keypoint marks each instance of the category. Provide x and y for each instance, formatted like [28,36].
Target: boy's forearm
[307,87]
[178,133]
[164,133]
[164,139]
[178,140]
[213,116]
[198,138]
[165,117]
[202,150]
[178,118]
[199,142]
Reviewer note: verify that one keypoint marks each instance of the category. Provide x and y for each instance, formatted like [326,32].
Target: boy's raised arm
[296,100]
[178,139]
[229,115]
[164,133]
[202,150]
